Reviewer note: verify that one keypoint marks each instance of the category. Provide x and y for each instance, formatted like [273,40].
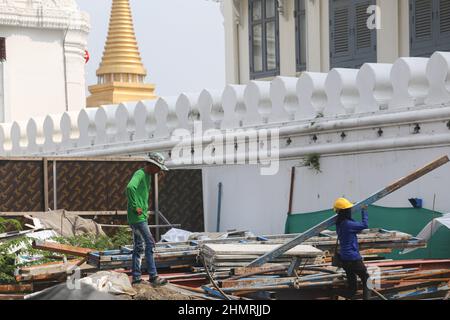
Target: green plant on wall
[312,161]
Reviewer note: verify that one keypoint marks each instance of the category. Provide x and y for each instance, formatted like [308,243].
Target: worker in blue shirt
[347,230]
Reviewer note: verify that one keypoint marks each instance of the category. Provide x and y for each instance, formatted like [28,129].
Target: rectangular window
[264,38]
[300,33]
[429,27]
[352,43]
[2,49]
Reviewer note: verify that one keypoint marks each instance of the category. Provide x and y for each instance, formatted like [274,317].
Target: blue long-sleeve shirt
[347,231]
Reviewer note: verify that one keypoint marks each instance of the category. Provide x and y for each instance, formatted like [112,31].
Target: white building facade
[368,126]
[267,38]
[42,72]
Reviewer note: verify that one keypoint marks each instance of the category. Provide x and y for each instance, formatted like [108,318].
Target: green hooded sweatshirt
[138,190]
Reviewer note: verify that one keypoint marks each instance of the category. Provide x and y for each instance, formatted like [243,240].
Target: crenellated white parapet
[375,87]
[188,109]
[5,138]
[211,109]
[19,139]
[438,75]
[145,121]
[166,117]
[311,93]
[235,108]
[183,109]
[125,122]
[342,92]
[283,93]
[35,134]
[410,83]
[69,129]
[52,133]
[106,124]
[375,96]
[87,127]
[258,101]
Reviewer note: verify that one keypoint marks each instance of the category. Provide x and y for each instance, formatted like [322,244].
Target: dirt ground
[167,292]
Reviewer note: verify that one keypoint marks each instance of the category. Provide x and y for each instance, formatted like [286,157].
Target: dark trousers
[353,269]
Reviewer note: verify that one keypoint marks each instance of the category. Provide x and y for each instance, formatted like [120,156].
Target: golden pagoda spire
[121,74]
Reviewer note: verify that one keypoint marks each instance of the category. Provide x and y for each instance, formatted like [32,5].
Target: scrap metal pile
[218,268]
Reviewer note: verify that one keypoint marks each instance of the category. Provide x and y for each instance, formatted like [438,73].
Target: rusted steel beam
[418,263]
[62,248]
[257,282]
[256,270]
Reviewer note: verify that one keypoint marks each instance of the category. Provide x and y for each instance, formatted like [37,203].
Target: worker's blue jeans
[142,237]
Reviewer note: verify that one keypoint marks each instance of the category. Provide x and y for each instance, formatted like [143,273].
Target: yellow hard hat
[342,204]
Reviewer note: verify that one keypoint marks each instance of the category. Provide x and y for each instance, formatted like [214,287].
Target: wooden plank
[58,276]
[6,297]
[16,288]
[61,248]
[332,221]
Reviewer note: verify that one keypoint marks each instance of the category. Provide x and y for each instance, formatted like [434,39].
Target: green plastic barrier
[408,220]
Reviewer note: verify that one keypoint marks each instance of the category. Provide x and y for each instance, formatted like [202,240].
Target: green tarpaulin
[408,220]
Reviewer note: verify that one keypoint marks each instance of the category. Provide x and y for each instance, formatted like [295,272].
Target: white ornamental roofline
[44,14]
[378,107]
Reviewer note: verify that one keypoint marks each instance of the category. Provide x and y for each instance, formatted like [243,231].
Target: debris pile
[214,266]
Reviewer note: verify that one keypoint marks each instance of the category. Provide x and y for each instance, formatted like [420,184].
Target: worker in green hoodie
[138,191]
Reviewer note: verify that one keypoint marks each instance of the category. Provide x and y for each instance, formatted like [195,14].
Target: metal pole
[332,221]
[291,192]
[219,206]
[55,200]
[156,202]
[45,186]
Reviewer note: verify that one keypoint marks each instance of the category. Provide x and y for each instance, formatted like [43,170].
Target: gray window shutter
[351,42]
[422,35]
[300,34]
[365,38]
[443,9]
[430,27]
[341,46]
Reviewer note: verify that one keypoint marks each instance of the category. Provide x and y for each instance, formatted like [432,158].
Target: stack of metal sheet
[166,257]
[219,256]
[170,255]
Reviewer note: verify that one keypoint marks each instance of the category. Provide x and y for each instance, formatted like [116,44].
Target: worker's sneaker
[140,281]
[158,281]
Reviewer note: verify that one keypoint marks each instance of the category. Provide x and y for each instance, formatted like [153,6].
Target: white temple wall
[259,203]
[34,72]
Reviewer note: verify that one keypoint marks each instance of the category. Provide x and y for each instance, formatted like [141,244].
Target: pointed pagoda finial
[121,74]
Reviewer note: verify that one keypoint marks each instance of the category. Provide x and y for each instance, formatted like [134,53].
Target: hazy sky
[181,42]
